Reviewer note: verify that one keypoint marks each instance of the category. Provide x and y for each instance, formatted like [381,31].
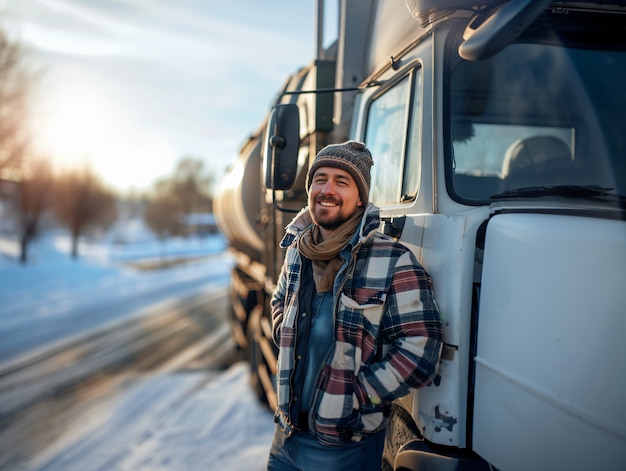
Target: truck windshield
[547,111]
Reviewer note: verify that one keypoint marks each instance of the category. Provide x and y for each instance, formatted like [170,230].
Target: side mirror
[282,142]
[500,29]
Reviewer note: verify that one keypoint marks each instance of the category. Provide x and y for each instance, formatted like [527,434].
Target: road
[110,399]
[44,317]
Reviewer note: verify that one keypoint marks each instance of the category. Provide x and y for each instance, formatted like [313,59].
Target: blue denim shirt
[320,342]
[315,333]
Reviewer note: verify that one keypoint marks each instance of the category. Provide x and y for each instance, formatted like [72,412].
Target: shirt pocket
[359,324]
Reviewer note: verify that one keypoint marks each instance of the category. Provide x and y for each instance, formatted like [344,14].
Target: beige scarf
[325,253]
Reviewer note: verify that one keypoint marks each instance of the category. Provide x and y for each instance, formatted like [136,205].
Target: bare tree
[28,199]
[161,213]
[28,180]
[173,198]
[83,203]
[15,86]
[192,185]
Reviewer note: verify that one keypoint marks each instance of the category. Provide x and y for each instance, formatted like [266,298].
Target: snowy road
[183,420]
[183,415]
[34,316]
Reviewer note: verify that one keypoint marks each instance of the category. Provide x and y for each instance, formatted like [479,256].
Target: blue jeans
[302,452]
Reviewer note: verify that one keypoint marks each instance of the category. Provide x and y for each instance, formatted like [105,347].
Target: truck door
[550,381]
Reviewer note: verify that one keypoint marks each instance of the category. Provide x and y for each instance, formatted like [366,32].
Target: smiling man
[355,320]
[332,199]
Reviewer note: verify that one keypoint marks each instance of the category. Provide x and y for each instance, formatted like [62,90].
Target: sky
[132,86]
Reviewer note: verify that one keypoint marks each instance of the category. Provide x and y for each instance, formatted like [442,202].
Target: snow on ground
[54,296]
[217,423]
[173,422]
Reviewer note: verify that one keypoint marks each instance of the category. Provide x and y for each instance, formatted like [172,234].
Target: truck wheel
[400,430]
[255,356]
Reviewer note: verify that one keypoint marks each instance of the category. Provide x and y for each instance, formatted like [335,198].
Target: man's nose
[329,188]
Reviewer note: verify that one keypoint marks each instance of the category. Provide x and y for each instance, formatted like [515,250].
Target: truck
[498,131]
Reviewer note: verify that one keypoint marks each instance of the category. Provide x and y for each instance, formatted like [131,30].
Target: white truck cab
[506,174]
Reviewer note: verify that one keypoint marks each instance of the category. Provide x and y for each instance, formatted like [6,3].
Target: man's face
[333,197]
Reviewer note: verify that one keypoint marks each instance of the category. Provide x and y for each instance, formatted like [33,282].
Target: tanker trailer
[238,208]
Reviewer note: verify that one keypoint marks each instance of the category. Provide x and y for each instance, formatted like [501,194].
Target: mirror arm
[332,90]
[282,208]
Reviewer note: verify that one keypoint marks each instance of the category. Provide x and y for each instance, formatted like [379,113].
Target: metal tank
[238,200]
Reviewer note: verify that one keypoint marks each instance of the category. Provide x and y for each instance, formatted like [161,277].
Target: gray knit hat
[351,156]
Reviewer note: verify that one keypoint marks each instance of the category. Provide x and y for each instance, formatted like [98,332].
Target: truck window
[490,149]
[545,111]
[395,178]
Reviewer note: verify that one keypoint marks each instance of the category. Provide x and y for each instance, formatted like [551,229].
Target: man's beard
[329,223]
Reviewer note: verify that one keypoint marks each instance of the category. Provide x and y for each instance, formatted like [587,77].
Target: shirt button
[299,357]
[304,314]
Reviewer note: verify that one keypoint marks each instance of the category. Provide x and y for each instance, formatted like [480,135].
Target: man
[355,320]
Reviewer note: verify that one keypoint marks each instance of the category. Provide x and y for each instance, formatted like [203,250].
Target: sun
[74,127]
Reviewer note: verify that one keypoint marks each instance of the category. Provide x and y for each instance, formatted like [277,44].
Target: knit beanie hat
[351,156]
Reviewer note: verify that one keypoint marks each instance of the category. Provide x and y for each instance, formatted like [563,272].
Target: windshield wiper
[572,191]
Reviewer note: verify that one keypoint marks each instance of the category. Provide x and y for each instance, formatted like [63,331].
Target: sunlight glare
[81,125]
[75,126]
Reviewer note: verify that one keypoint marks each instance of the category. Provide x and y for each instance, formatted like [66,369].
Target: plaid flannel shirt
[388,334]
